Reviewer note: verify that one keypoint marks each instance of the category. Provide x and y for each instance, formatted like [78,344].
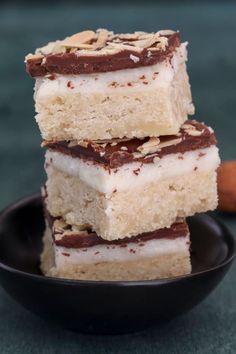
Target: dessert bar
[123,188]
[101,85]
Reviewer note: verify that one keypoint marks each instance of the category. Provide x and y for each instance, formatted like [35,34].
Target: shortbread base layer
[148,101]
[153,204]
[172,261]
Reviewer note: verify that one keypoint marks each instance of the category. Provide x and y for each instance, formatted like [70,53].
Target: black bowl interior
[106,307]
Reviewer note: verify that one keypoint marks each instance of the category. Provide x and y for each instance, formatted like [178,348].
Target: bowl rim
[230,239]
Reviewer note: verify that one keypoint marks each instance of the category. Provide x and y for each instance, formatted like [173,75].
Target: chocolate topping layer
[81,61]
[115,153]
[86,238]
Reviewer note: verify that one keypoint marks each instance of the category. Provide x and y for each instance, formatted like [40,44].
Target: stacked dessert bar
[125,166]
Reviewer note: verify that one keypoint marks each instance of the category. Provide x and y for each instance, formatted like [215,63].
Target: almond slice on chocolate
[124,46]
[83,143]
[195,132]
[191,130]
[59,225]
[101,39]
[151,146]
[34,57]
[147,41]
[79,40]
[165,32]
[169,143]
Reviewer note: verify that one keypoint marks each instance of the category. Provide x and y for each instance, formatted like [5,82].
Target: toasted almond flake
[165,32]
[122,46]
[150,146]
[153,49]
[80,46]
[146,43]
[162,43]
[34,57]
[188,126]
[150,156]
[83,143]
[51,48]
[124,148]
[79,39]
[169,143]
[101,39]
[59,225]
[128,36]
[195,132]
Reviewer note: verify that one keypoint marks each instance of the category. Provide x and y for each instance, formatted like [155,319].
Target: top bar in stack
[101,85]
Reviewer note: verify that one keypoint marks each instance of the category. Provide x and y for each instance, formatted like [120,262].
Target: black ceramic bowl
[106,307]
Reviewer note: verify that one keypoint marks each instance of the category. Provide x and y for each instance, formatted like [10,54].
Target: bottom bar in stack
[78,253]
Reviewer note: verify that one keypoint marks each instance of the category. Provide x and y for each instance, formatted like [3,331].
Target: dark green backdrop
[210,28]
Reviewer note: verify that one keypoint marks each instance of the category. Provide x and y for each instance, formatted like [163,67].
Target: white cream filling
[116,253]
[130,80]
[134,175]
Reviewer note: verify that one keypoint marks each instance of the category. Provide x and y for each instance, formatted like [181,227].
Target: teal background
[210,28]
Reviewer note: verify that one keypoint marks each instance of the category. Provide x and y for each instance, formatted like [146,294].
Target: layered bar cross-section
[78,253]
[126,187]
[101,85]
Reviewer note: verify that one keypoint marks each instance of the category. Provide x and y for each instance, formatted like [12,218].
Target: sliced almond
[165,32]
[34,57]
[81,227]
[195,132]
[101,39]
[80,46]
[83,143]
[169,143]
[79,39]
[59,225]
[128,36]
[58,236]
[150,146]
[73,143]
[188,126]
[145,43]
[124,46]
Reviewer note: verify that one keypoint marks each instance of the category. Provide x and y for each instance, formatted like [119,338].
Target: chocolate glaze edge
[113,156]
[83,240]
[73,64]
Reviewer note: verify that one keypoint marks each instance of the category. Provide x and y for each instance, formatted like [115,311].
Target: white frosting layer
[142,78]
[124,178]
[116,253]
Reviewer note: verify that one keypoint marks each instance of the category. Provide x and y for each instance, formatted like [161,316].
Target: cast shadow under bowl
[106,307]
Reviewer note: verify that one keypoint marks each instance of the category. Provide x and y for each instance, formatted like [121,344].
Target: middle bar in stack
[124,188]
